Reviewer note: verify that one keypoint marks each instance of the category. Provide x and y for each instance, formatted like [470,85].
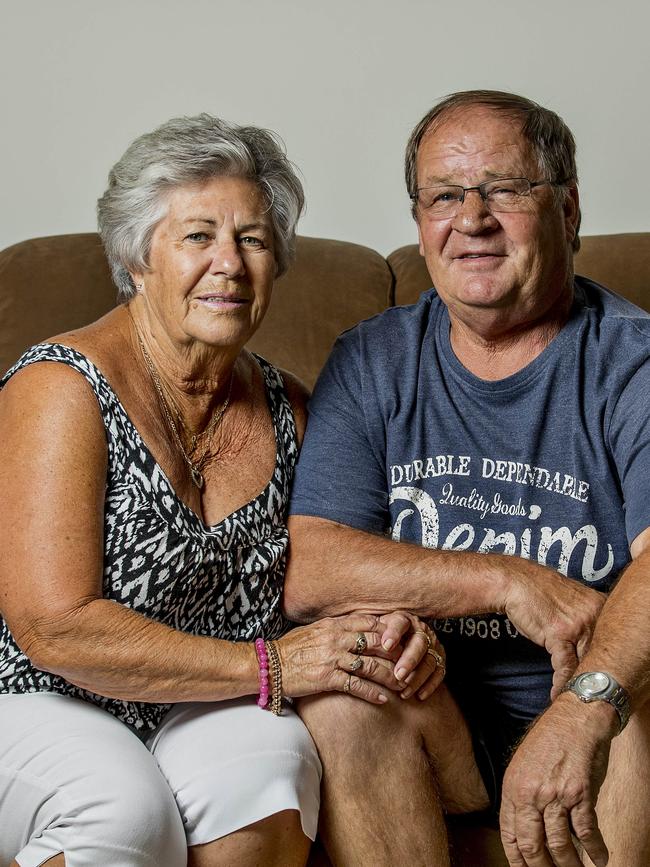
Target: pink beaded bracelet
[263,660]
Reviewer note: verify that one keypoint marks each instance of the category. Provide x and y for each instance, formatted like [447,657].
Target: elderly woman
[145,467]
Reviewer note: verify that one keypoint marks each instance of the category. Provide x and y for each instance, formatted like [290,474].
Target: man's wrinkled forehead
[474,114]
[457,136]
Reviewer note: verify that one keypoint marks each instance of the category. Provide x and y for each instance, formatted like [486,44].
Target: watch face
[593,683]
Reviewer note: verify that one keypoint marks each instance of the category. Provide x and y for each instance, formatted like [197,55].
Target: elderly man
[502,424]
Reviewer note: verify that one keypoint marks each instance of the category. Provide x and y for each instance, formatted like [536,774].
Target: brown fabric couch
[50,285]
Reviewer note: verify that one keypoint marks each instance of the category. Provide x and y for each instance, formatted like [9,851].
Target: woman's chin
[221,335]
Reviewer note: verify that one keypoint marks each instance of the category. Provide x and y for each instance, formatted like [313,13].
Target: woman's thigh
[73,779]
[230,764]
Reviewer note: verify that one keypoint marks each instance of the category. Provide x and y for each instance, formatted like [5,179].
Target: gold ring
[348,683]
[426,638]
[440,663]
[361,643]
[356,664]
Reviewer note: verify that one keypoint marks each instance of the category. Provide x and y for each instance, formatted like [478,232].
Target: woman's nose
[227,259]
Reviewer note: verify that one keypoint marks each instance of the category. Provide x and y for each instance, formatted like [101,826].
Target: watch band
[612,692]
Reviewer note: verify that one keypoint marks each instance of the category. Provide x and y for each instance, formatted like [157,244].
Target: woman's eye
[197,236]
[251,241]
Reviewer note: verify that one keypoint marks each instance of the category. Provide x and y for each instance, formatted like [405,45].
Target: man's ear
[571,208]
[420,241]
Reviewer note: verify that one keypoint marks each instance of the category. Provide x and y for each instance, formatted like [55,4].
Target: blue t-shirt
[551,463]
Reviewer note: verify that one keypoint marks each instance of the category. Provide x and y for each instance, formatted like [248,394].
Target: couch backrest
[621,262]
[55,284]
[331,286]
[51,285]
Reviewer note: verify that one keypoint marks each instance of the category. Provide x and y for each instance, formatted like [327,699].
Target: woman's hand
[346,654]
[420,666]
[342,654]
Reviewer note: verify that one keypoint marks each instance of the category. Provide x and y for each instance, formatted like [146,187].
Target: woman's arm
[53,460]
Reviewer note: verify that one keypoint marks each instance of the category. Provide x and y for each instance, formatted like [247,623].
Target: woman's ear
[138,280]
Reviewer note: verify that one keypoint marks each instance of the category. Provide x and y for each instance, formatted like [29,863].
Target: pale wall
[342,82]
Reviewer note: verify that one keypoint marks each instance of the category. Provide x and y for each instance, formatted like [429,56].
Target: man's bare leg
[389,774]
[623,806]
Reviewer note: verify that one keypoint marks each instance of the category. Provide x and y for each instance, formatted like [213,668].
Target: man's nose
[227,258]
[473,215]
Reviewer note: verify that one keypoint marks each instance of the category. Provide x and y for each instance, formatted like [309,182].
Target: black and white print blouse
[160,559]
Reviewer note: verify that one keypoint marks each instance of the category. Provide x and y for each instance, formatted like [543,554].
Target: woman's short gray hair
[186,151]
[550,138]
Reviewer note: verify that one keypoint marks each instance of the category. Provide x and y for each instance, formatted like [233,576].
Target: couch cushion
[410,272]
[331,286]
[50,285]
[621,262]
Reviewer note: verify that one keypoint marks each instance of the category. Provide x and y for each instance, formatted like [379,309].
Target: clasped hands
[365,655]
[411,648]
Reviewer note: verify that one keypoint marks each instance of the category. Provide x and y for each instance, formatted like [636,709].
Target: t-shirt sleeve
[340,473]
[629,436]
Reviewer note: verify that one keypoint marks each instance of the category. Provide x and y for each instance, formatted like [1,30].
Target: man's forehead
[475,117]
[474,138]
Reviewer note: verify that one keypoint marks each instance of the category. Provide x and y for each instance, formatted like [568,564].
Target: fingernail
[381,698]
[400,673]
[389,644]
[407,693]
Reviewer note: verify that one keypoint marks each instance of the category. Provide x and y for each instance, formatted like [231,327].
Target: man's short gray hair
[186,151]
[550,138]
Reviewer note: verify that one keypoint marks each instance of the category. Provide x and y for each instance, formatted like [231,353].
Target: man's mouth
[482,255]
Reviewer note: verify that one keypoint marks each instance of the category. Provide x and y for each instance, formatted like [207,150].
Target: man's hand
[557,613]
[552,783]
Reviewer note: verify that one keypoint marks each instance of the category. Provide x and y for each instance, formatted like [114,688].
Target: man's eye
[504,190]
[445,196]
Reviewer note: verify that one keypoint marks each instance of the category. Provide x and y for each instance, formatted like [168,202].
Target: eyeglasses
[500,196]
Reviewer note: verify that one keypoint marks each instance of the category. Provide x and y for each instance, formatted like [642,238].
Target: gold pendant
[197,478]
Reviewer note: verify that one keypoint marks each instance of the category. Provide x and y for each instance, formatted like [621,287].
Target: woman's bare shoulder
[51,398]
[103,342]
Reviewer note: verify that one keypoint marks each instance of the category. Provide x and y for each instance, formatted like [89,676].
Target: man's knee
[432,735]
[346,722]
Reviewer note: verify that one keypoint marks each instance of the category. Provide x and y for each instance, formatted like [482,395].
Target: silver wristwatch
[600,686]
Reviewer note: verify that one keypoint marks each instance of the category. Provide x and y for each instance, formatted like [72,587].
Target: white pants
[73,779]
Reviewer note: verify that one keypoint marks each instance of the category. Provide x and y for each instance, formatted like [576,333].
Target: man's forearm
[621,640]
[334,569]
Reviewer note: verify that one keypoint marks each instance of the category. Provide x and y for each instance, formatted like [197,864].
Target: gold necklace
[195,473]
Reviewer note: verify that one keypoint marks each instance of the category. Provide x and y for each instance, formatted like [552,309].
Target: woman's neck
[195,379]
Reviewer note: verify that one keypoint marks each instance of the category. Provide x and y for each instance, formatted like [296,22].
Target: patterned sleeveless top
[160,559]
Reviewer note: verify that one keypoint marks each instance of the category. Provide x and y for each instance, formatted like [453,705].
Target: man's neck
[492,352]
